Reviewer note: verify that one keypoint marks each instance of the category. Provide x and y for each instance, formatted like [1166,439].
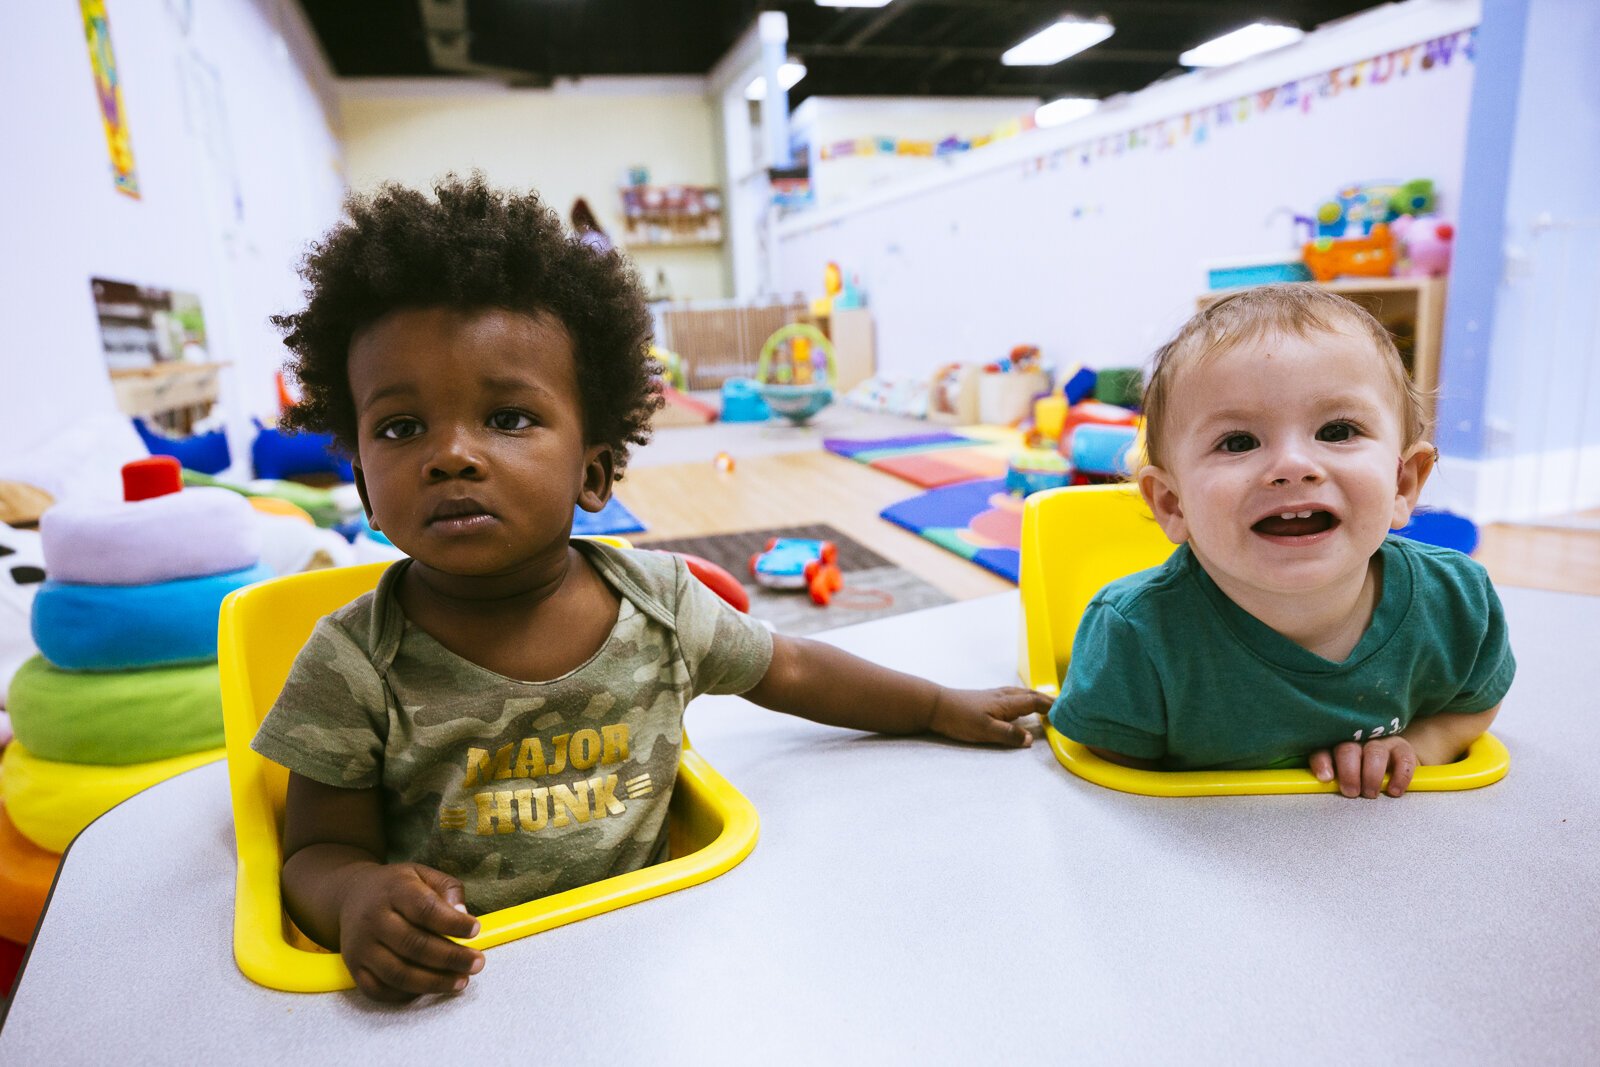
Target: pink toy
[1425,244]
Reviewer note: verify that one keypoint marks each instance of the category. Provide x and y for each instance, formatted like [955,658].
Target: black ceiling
[909,48]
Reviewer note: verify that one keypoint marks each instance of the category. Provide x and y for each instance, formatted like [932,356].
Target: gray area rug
[874,588]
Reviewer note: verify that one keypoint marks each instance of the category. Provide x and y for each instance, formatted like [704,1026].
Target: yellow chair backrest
[1074,541]
[261,629]
[265,629]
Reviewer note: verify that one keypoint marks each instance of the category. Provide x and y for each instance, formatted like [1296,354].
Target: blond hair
[1296,310]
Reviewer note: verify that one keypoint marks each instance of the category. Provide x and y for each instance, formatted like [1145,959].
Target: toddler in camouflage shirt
[501,718]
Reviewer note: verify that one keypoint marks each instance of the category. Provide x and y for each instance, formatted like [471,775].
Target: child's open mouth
[1304,523]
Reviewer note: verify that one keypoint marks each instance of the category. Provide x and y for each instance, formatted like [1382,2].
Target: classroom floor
[782,477]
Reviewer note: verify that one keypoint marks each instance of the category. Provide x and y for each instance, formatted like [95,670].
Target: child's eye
[1337,431]
[399,429]
[510,420]
[1238,442]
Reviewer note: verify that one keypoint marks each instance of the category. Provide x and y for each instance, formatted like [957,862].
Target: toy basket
[795,401]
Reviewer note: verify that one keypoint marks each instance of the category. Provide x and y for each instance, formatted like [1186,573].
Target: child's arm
[1360,766]
[827,685]
[391,922]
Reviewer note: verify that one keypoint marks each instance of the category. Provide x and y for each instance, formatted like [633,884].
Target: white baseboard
[1517,488]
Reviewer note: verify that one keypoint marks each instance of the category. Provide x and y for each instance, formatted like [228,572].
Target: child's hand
[1360,766]
[987,716]
[394,924]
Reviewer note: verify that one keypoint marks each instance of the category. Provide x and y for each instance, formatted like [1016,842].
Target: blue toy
[1034,469]
[207,453]
[1102,450]
[799,563]
[741,401]
[1078,384]
[279,455]
[1355,209]
[1443,528]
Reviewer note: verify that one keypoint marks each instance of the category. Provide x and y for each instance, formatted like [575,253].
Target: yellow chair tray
[712,827]
[1485,763]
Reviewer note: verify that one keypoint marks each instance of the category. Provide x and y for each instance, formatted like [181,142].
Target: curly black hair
[471,247]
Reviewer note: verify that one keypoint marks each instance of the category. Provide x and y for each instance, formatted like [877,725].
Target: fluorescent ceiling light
[1242,43]
[1055,43]
[788,74]
[1063,110]
[852,3]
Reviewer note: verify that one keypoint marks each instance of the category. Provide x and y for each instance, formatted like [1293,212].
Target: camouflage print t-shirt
[519,789]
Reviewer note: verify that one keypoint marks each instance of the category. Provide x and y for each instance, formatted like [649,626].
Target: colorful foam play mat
[978,521]
[873,587]
[933,459]
[614,518]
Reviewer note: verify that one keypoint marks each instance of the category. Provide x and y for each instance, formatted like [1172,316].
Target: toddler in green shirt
[1284,442]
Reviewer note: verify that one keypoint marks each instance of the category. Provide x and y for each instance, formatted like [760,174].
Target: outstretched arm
[828,685]
[391,922]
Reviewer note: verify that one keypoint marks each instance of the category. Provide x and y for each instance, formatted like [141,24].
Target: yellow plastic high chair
[1076,540]
[712,827]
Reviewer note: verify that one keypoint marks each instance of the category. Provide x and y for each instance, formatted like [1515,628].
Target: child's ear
[361,491]
[1160,494]
[1415,466]
[598,469]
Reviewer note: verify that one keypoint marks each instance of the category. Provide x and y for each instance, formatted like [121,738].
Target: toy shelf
[1411,309]
[671,216]
[175,394]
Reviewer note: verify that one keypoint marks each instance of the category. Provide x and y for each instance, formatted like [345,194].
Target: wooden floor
[1564,559]
[690,499]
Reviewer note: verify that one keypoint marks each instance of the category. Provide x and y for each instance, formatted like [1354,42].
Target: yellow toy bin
[1077,539]
[712,826]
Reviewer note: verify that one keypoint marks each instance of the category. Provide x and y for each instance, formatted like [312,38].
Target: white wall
[1070,239]
[237,166]
[565,143]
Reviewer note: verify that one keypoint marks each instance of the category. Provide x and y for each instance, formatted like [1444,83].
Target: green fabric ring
[115,717]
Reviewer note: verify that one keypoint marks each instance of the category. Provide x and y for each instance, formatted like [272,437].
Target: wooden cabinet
[855,353]
[1411,309]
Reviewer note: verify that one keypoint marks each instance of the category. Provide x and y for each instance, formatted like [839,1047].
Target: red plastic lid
[156,476]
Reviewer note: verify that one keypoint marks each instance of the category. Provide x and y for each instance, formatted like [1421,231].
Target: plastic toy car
[799,563]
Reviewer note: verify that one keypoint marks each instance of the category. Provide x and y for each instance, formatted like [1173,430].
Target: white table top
[912,900]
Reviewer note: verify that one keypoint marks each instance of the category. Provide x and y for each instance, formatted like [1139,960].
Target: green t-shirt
[1166,667]
[519,789]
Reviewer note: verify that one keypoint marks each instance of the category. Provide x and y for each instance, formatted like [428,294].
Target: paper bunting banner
[1196,127]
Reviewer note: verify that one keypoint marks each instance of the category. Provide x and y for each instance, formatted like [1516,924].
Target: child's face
[1307,428]
[471,451]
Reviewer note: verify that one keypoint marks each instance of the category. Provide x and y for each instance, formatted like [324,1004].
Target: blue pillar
[1478,257]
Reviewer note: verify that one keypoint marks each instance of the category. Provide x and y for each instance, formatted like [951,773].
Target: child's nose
[455,456]
[1294,465]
